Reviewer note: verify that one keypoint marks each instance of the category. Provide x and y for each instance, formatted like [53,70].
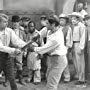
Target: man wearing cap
[7,35]
[56,51]
[67,31]
[19,31]
[78,47]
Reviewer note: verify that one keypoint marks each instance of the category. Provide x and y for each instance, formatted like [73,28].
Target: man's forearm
[7,49]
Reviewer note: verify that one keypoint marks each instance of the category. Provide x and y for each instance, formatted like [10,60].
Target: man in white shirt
[78,47]
[19,31]
[56,50]
[81,10]
[7,35]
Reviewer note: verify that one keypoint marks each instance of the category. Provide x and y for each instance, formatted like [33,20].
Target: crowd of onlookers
[75,28]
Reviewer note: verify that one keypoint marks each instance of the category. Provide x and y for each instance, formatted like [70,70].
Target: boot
[21,81]
[6,83]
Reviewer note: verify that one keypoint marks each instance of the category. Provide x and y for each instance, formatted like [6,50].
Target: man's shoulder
[9,29]
[81,24]
[44,29]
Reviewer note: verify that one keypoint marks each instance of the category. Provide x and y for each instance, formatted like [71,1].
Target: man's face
[80,6]
[15,25]
[31,27]
[3,23]
[87,22]
[44,22]
[25,22]
[62,21]
[50,26]
[74,20]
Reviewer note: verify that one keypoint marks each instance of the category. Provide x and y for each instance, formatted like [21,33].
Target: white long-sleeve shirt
[54,45]
[8,36]
[79,34]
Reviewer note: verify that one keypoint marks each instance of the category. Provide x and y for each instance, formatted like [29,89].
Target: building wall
[1,4]
[28,4]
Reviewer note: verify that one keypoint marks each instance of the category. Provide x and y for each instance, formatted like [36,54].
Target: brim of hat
[64,17]
[70,15]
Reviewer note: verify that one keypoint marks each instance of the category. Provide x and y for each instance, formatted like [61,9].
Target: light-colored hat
[63,16]
[4,15]
[76,14]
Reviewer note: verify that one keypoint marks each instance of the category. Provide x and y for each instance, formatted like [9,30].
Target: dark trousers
[7,65]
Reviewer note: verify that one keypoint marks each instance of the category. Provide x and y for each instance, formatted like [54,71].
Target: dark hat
[86,17]
[15,18]
[54,19]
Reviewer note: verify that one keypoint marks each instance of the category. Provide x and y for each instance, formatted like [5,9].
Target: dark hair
[53,20]
[31,22]
[25,19]
[15,18]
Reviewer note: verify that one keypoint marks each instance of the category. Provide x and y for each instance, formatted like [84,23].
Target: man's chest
[5,37]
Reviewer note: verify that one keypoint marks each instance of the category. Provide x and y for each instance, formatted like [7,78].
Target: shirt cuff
[12,50]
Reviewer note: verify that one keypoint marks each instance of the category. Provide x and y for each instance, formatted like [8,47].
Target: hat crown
[62,15]
[76,14]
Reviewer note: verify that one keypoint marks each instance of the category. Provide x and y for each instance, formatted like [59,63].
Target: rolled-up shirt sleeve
[16,41]
[6,49]
[48,47]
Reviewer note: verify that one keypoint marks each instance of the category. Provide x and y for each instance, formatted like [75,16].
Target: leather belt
[76,41]
[52,55]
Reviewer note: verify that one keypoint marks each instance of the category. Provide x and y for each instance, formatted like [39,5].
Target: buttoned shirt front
[54,45]
[79,34]
[7,36]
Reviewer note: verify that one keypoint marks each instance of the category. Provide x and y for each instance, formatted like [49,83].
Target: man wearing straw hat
[78,47]
[67,31]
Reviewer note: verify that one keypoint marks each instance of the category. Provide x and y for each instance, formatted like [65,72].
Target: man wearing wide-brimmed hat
[64,24]
[78,46]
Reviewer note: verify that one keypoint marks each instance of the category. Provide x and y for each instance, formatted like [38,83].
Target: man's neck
[54,30]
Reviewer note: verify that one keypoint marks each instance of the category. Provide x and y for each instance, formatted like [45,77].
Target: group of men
[62,34]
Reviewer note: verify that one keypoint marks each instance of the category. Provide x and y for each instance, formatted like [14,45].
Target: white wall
[29,4]
[1,4]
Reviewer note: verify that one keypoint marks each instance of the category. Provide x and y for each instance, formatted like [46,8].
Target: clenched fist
[17,51]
